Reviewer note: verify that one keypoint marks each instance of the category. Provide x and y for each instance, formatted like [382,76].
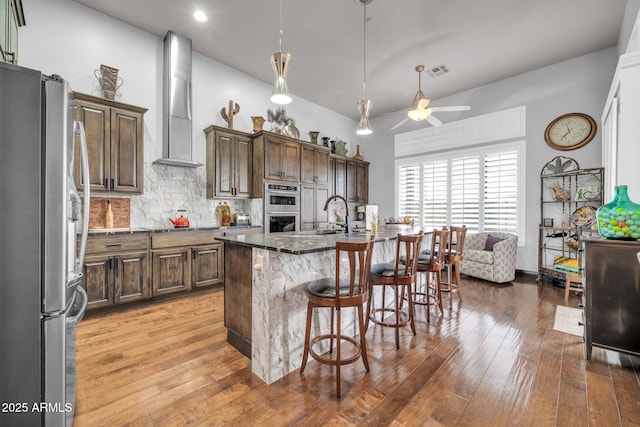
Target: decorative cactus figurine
[233,110]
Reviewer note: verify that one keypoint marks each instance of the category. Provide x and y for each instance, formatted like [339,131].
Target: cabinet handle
[113,184]
[194,254]
[117,263]
[11,57]
[110,245]
[580,323]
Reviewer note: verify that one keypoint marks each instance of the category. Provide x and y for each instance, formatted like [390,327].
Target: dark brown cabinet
[185,260]
[312,199]
[115,144]
[11,17]
[229,163]
[340,176]
[116,269]
[612,295]
[281,158]
[314,165]
[357,181]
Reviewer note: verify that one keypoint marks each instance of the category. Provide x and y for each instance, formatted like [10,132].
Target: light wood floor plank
[492,360]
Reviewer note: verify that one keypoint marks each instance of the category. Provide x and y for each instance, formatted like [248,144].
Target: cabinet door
[272,159]
[308,206]
[291,161]
[307,164]
[127,151]
[332,175]
[322,216]
[362,182]
[207,265]
[322,167]
[131,277]
[352,191]
[341,178]
[243,167]
[96,119]
[4,10]
[170,270]
[98,280]
[224,165]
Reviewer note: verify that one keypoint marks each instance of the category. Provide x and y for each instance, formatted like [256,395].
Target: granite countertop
[304,242]
[111,231]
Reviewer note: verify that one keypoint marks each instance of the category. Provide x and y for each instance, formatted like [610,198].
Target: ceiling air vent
[438,71]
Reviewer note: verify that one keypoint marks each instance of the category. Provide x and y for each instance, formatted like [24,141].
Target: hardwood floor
[493,360]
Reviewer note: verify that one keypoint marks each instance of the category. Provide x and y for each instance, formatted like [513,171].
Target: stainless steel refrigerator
[43,230]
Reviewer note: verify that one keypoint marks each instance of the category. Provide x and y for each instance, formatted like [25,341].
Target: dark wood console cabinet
[612,295]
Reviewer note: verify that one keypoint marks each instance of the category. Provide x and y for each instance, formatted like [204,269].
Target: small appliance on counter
[243,220]
[360,213]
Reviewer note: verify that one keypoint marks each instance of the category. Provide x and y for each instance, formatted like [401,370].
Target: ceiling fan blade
[403,121]
[434,121]
[393,112]
[452,108]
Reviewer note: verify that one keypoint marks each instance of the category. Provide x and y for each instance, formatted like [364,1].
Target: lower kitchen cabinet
[116,269]
[185,260]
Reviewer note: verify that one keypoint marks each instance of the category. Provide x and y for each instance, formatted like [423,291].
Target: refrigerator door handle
[74,320]
[79,129]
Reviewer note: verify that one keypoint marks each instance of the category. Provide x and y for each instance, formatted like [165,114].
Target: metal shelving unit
[559,236]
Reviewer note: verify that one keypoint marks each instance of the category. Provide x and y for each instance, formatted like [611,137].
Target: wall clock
[570,131]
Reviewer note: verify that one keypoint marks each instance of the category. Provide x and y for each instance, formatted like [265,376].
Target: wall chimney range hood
[176,103]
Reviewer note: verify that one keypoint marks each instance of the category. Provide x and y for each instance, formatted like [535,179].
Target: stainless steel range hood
[176,103]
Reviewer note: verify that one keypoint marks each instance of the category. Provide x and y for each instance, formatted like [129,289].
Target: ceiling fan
[420,109]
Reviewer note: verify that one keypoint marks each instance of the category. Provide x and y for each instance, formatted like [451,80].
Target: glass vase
[620,218]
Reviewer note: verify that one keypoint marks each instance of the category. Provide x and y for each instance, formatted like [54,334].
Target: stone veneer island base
[266,302]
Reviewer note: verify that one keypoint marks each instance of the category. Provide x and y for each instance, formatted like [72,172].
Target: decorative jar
[620,218]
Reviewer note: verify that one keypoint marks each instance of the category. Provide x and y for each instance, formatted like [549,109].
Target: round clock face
[570,131]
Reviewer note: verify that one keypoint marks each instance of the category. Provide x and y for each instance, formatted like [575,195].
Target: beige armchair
[486,258]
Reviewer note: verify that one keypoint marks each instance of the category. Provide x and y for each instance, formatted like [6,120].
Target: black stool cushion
[386,270]
[326,288]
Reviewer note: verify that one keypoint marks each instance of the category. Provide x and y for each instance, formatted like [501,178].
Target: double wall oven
[281,208]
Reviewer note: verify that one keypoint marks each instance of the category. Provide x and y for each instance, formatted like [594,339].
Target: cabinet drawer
[182,238]
[117,243]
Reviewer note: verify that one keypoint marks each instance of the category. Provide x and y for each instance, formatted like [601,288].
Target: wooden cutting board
[121,208]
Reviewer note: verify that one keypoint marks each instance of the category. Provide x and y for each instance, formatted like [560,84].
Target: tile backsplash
[169,188]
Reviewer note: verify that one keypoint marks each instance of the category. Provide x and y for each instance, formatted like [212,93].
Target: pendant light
[280,63]
[365,105]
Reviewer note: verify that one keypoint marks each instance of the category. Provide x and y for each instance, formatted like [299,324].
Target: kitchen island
[265,300]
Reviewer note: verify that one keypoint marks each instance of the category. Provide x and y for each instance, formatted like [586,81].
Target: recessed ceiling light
[200,16]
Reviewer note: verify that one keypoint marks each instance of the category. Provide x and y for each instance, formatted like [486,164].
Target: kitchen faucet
[346,207]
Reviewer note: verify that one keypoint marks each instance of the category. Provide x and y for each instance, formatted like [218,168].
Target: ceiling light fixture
[419,110]
[280,63]
[364,106]
[200,16]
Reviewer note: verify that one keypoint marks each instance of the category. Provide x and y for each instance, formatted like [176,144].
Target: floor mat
[567,320]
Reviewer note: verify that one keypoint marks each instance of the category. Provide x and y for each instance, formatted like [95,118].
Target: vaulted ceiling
[478,41]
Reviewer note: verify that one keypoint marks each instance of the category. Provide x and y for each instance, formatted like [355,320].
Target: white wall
[71,40]
[577,85]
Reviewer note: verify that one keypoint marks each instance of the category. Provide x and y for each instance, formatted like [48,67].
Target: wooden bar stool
[432,262]
[400,277]
[345,290]
[572,282]
[452,259]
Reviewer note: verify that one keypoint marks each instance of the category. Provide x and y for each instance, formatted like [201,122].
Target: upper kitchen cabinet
[338,166]
[229,163]
[115,143]
[314,164]
[357,181]
[11,17]
[276,158]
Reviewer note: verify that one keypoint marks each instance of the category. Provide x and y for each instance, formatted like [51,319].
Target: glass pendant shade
[419,114]
[364,127]
[280,63]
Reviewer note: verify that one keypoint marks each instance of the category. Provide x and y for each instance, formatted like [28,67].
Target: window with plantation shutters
[501,191]
[478,187]
[435,198]
[409,191]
